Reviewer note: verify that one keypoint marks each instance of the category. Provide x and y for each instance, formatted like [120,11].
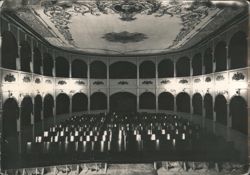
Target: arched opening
[147,69]
[123,70]
[25,52]
[238,50]
[98,70]
[123,102]
[79,102]
[208,61]
[79,69]
[197,104]
[98,101]
[183,102]
[220,107]
[9,132]
[147,100]
[208,105]
[183,67]
[62,104]
[166,69]
[38,108]
[220,56]
[238,111]
[197,64]
[26,113]
[37,61]
[166,101]
[62,67]
[48,65]
[9,50]
[48,106]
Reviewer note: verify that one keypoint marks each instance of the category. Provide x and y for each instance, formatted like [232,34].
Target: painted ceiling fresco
[126,26]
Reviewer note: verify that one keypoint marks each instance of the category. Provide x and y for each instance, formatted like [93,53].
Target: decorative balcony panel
[98,83]
[147,82]
[9,76]
[221,81]
[123,83]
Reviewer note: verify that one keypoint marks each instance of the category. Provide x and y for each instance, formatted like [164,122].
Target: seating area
[126,138]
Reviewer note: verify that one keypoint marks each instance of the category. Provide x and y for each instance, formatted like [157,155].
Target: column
[32,119]
[175,105]
[214,61]
[156,85]
[108,86]
[228,59]
[70,68]
[70,104]
[191,67]
[18,59]
[202,64]
[54,63]
[229,122]
[54,110]
[88,75]
[19,130]
[174,61]
[42,114]
[1,52]
[191,105]
[138,86]
[203,112]
[32,56]
[42,57]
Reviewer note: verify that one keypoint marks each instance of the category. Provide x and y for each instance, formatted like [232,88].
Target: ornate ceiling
[126,26]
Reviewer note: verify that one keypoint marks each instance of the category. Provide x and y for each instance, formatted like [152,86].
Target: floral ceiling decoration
[191,13]
[124,37]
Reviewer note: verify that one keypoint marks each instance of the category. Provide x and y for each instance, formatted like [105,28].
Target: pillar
[203,65]
[33,119]
[70,104]
[248,89]
[42,114]
[228,59]
[19,130]
[1,50]
[191,66]
[175,105]
[70,68]
[88,75]
[138,86]
[54,110]
[32,56]
[174,62]
[156,85]
[54,64]
[108,87]
[213,59]
[191,104]
[18,59]
[42,57]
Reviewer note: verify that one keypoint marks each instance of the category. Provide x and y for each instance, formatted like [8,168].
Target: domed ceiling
[128,26]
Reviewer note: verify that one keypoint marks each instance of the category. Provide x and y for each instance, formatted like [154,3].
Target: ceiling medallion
[124,37]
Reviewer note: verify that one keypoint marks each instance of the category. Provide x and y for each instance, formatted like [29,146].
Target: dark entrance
[123,102]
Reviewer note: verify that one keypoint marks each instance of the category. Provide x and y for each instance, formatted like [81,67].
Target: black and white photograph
[124,87]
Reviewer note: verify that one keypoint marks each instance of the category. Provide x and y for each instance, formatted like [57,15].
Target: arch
[79,102]
[9,50]
[183,102]
[37,61]
[197,104]
[48,64]
[123,70]
[9,132]
[238,111]
[26,113]
[38,107]
[147,69]
[98,70]
[62,104]
[220,56]
[10,116]
[123,102]
[25,55]
[197,64]
[238,50]
[62,67]
[166,69]
[48,106]
[147,100]
[166,101]
[208,61]
[79,69]
[208,105]
[183,67]
[220,107]
[98,101]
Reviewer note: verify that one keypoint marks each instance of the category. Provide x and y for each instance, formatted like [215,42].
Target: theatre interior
[124,87]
